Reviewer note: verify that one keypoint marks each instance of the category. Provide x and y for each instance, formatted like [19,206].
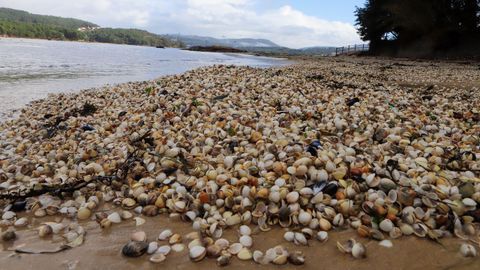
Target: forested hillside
[16,23]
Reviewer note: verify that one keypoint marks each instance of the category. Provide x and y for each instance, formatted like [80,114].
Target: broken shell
[296,258]
[300,239]
[139,221]
[157,258]
[223,260]
[468,250]
[346,247]
[280,260]
[114,217]
[386,243]
[139,236]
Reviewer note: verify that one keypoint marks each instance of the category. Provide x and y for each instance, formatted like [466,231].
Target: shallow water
[31,69]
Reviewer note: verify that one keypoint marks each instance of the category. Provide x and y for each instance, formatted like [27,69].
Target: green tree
[429,25]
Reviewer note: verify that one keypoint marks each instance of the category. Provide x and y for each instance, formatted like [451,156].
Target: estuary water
[31,69]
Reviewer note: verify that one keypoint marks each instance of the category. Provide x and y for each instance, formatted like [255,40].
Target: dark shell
[19,206]
[331,188]
[134,249]
[353,101]
[296,258]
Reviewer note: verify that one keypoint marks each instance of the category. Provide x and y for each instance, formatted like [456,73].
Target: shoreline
[234,138]
[85,42]
[52,73]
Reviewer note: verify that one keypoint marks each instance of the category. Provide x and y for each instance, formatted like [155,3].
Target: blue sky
[340,10]
[295,24]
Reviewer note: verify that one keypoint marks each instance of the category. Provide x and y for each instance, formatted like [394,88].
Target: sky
[291,23]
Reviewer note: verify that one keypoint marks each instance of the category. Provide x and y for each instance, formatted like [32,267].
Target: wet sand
[101,250]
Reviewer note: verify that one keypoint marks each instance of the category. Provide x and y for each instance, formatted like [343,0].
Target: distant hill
[279,51]
[21,16]
[238,43]
[17,23]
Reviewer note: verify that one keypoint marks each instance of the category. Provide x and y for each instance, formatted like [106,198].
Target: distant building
[87,28]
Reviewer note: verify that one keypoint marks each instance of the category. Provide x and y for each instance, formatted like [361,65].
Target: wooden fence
[350,49]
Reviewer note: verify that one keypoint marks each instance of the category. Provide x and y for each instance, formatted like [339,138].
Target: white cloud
[218,18]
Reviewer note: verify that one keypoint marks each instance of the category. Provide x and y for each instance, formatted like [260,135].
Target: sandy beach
[374,150]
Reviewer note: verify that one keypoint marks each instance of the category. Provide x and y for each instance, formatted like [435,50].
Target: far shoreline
[84,41]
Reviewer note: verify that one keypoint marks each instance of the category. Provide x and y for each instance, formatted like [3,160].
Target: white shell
[8,215]
[245,230]
[468,250]
[114,217]
[292,197]
[152,247]
[222,243]
[197,252]
[235,248]
[157,258]
[386,225]
[304,217]
[358,250]
[322,236]
[21,222]
[139,236]
[178,247]
[164,235]
[386,243]
[246,241]
[289,236]
[300,239]
[164,250]
[139,221]
[469,202]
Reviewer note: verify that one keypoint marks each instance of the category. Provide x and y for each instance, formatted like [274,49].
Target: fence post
[355,48]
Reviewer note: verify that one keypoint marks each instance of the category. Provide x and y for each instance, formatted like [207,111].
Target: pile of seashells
[311,148]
